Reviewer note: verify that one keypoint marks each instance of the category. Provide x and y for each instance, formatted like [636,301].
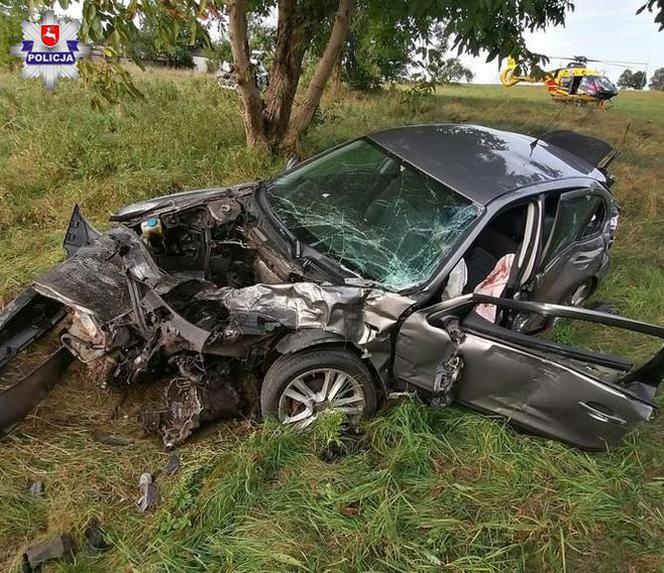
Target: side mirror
[293,160]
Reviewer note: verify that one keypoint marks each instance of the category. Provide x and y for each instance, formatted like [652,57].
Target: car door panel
[584,258]
[538,385]
[568,271]
[544,396]
[421,347]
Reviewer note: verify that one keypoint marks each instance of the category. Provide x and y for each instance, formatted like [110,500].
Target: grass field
[422,489]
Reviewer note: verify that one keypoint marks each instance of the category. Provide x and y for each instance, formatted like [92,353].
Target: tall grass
[420,489]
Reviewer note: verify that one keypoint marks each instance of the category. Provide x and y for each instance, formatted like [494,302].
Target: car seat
[501,237]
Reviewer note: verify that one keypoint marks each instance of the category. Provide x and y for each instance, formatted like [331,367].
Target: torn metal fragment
[24,320]
[60,546]
[22,397]
[173,464]
[37,489]
[199,394]
[95,537]
[148,493]
[79,234]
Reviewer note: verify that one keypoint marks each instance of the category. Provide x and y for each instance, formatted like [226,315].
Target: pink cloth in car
[494,285]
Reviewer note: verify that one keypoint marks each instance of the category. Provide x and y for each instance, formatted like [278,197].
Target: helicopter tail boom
[509,75]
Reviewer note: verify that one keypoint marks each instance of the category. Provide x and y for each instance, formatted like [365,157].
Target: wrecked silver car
[421,259]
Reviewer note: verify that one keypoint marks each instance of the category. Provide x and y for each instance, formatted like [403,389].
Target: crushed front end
[189,292]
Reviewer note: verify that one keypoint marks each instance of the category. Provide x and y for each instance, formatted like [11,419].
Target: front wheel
[580,293]
[299,387]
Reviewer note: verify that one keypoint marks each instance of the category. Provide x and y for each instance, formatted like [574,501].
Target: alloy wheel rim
[579,295]
[320,390]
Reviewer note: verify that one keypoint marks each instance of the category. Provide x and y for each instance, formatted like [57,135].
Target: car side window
[578,218]
[596,220]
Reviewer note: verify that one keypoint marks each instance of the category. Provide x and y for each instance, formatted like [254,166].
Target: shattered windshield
[373,213]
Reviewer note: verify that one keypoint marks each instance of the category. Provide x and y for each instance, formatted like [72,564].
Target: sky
[598,29]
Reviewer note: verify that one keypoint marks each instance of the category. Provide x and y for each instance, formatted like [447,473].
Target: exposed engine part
[224,210]
[197,395]
[152,230]
[205,242]
[264,273]
[84,338]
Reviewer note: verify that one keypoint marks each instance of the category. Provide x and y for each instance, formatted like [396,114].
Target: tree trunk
[302,117]
[251,98]
[290,47]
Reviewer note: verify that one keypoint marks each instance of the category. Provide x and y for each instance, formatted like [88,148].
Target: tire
[310,366]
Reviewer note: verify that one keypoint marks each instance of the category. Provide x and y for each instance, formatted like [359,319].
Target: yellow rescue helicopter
[574,83]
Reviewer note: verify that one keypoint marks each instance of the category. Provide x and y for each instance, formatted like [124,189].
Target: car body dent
[539,403]
[548,393]
[124,305]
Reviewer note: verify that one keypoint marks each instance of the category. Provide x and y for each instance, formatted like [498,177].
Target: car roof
[479,162]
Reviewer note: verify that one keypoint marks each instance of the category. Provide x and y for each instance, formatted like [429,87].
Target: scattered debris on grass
[604,306]
[173,464]
[60,546]
[149,496]
[350,509]
[37,489]
[95,539]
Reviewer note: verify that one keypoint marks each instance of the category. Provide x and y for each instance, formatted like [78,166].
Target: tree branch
[305,112]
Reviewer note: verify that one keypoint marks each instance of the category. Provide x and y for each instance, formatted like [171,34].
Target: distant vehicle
[226,76]
[420,259]
[574,83]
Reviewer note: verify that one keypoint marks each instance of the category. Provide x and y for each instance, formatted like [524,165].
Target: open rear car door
[573,395]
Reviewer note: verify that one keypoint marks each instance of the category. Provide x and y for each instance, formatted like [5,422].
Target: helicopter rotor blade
[575,59]
[593,60]
[620,62]
[624,66]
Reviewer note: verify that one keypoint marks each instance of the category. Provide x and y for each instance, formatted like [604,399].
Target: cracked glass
[371,212]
